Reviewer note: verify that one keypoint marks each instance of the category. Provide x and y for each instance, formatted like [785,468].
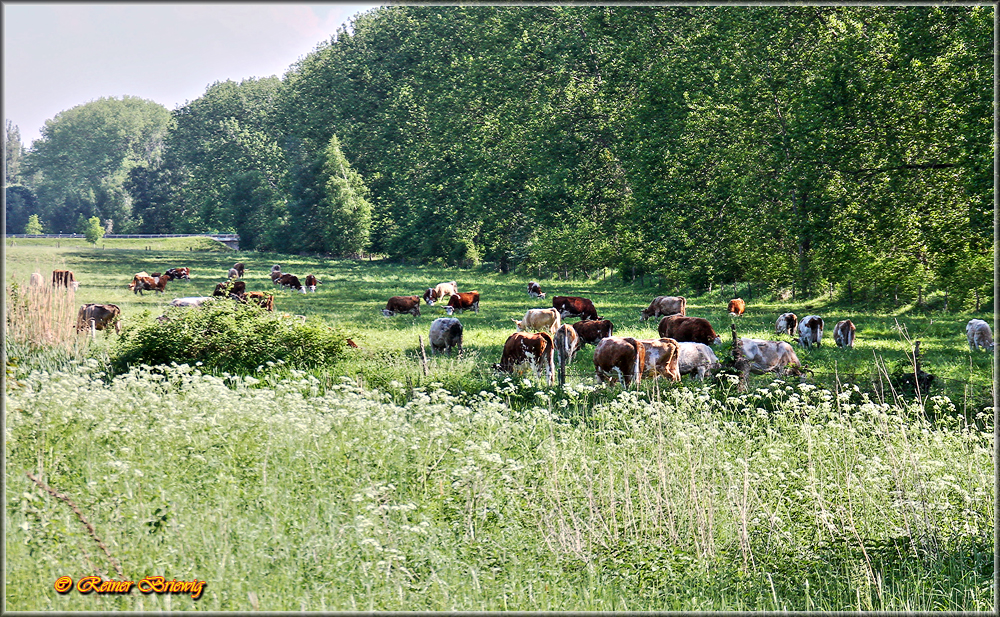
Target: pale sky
[58,56]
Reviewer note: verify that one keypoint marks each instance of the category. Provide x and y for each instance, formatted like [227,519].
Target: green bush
[226,336]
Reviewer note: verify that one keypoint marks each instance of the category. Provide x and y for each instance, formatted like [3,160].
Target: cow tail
[684,304]
[637,365]
[550,365]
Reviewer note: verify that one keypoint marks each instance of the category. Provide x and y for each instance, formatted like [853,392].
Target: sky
[58,56]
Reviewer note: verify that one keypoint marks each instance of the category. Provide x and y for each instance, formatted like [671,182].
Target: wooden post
[793,291]
[920,295]
[740,363]
[93,329]
[895,296]
[831,290]
[749,291]
[850,293]
[977,300]
[562,369]
[423,354]
[633,274]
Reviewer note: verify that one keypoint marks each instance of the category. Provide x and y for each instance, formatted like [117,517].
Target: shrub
[226,336]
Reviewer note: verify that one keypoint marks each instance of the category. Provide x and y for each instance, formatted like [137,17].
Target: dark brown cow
[230,288]
[290,280]
[239,267]
[103,315]
[688,329]
[178,273]
[664,305]
[591,331]
[142,282]
[402,304]
[265,301]
[311,282]
[737,307]
[523,348]
[624,356]
[468,300]
[64,278]
[571,306]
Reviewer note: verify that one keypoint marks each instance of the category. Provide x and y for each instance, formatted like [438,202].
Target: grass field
[369,486]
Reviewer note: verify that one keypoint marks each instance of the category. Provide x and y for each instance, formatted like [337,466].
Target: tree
[34,227]
[345,213]
[94,230]
[13,151]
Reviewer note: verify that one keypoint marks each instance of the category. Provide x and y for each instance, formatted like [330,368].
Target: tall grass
[41,316]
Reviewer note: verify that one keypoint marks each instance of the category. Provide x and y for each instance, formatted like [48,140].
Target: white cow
[696,359]
[979,334]
[767,356]
[192,301]
[446,332]
[538,320]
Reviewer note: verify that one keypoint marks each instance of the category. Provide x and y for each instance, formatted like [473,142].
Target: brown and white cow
[64,278]
[661,358]
[811,330]
[537,349]
[768,356]
[103,315]
[290,280]
[261,299]
[572,306]
[464,301]
[535,291]
[240,268]
[160,282]
[567,342]
[311,282]
[787,323]
[539,319]
[432,295]
[696,359]
[178,273]
[664,305]
[688,329]
[275,273]
[624,356]
[231,288]
[402,304]
[736,307]
[979,334]
[843,333]
[445,333]
[142,282]
[592,331]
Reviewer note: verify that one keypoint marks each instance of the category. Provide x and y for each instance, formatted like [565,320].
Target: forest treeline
[790,145]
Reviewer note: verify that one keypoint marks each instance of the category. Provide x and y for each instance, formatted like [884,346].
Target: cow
[190,301]
[688,329]
[36,280]
[622,355]
[661,358]
[737,307]
[265,301]
[275,273]
[233,274]
[664,305]
[468,300]
[528,348]
[810,330]
[142,282]
[787,323]
[567,342]
[843,333]
[979,334]
[441,290]
[239,267]
[767,356]
[592,331]
[311,282]
[103,315]
[402,304]
[696,359]
[290,280]
[571,306]
[230,288]
[178,273]
[64,278]
[535,291]
[160,282]
[446,332]
[539,319]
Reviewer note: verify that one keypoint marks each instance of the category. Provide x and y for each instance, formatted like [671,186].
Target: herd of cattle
[542,336]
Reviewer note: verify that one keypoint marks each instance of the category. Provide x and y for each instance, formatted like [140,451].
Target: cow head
[449,309]
[429,297]
[519,324]
[386,312]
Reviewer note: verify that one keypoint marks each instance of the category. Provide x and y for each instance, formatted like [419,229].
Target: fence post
[423,354]
[850,293]
[562,369]
[920,295]
[977,300]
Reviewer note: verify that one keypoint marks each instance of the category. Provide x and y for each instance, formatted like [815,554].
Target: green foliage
[345,210]
[229,336]
[34,226]
[13,151]
[20,204]
[94,231]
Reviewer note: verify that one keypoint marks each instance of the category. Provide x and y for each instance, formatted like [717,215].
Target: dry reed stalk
[41,316]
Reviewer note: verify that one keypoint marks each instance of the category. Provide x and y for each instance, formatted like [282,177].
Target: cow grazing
[535,291]
[142,282]
[230,289]
[240,268]
[465,301]
[737,307]
[664,305]
[592,331]
[441,290]
[275,273]
[446,332]
[311,282]
[36,280]
[661,358]
[843,333]
[688,329]
[233,274]
[194,301]
[787,323]
[261,299]
[810,330]
[979,334]
[534,349]
[290,280]
[539,319]
[571,306]
[696,359]
[625,357]
[567,342]
[768,356]
[64,278]
[103,315]
[178,273]
[402,304]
